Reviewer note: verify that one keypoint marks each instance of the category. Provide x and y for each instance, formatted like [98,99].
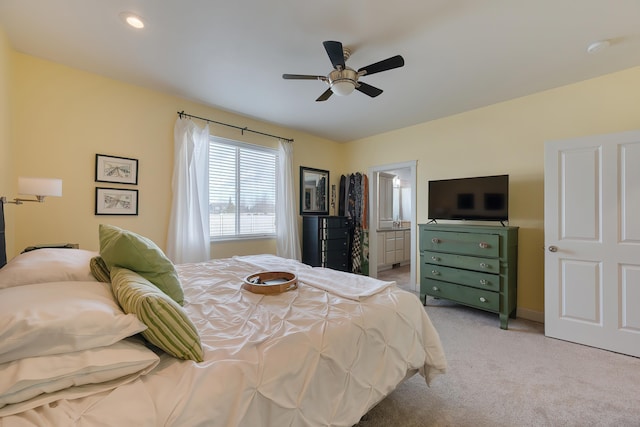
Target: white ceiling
[459,54]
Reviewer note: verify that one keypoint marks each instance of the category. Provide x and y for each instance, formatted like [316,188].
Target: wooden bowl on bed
[270,282]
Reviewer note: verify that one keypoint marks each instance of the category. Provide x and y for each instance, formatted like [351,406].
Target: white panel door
[592,241]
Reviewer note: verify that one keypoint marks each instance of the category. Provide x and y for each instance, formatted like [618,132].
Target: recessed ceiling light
[132,19]
[598,46]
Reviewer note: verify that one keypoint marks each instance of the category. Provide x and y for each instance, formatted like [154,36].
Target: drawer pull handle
[435,258]
[484,245]
[435,272]
[483,282]
[483,299]
[435,240]
[484,265]
[435,288]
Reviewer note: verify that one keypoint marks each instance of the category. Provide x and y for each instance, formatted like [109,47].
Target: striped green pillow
[169,327]
[126,249]
[99,269]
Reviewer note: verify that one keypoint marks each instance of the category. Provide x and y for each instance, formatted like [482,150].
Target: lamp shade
[40,186]
[343,87]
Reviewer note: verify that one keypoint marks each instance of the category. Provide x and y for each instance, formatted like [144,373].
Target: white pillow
[28,378]
[47,265]
[53,318]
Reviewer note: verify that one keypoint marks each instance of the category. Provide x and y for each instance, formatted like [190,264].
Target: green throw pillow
[99,269]
[168,326]
[122,248]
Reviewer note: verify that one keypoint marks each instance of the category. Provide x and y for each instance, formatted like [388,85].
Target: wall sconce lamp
[38,187]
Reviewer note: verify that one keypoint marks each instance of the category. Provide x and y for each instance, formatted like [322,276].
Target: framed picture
[116,169]
[116,201]
[314,191]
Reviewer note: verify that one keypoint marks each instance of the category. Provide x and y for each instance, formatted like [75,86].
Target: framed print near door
[115,169]
[116,201]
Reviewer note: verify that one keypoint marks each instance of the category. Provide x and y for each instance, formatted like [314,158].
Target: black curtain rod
[242,129]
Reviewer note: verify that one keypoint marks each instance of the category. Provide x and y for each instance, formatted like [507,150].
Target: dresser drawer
[461,276]
[334,233]
[334,245]
[479,244]
[478,298]
[334,256]
[334,222]
[489,265]
[340,265]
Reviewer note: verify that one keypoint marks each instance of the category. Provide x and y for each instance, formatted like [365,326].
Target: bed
[75,350]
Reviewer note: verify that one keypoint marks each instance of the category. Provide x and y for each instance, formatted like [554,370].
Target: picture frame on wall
[116,201]
[121,170]
[314,191]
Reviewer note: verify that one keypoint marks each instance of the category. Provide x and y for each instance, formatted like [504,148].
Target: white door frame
[373,209]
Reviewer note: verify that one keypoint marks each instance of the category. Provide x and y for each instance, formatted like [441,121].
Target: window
[242,190]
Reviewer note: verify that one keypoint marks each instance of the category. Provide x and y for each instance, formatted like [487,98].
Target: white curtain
[287,241]
[188,237]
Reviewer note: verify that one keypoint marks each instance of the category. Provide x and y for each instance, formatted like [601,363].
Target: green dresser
[475,265]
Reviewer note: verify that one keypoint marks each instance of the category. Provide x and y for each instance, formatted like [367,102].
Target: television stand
[474,265]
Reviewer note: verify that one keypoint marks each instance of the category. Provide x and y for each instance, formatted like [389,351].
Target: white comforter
[307,357]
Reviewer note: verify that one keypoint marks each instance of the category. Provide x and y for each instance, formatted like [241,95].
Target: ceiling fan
[343,80]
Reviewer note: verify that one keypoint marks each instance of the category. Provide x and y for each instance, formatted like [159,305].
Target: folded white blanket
[341,283]
[269,262]
[347,285]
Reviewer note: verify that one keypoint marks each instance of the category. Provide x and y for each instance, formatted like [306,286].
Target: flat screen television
[481,198]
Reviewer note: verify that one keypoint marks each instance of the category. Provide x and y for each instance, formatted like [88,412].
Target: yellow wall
[54,119]
[508,138]
[6,169]
[63,117]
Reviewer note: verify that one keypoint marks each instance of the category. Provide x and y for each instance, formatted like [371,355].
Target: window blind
[242,189]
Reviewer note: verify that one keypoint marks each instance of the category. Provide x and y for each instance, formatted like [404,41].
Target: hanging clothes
[353,199]
[341,195]
[356,250]
[365,226]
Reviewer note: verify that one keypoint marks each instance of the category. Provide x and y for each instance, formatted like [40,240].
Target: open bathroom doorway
[393,220]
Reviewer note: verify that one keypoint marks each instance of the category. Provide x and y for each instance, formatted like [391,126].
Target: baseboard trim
[525,313]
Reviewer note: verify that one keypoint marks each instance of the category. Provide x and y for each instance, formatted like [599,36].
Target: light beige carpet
[516,377]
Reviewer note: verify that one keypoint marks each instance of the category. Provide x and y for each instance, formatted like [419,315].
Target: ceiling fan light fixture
[343,87]
[343,82]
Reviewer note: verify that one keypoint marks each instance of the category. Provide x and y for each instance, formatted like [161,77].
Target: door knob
[553,249]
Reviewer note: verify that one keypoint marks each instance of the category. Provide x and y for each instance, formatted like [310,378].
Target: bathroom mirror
[314,191]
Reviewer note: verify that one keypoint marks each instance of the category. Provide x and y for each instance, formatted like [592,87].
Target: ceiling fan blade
[372,91]
[301,77]
[327,93]
[384,65]
[336,54]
